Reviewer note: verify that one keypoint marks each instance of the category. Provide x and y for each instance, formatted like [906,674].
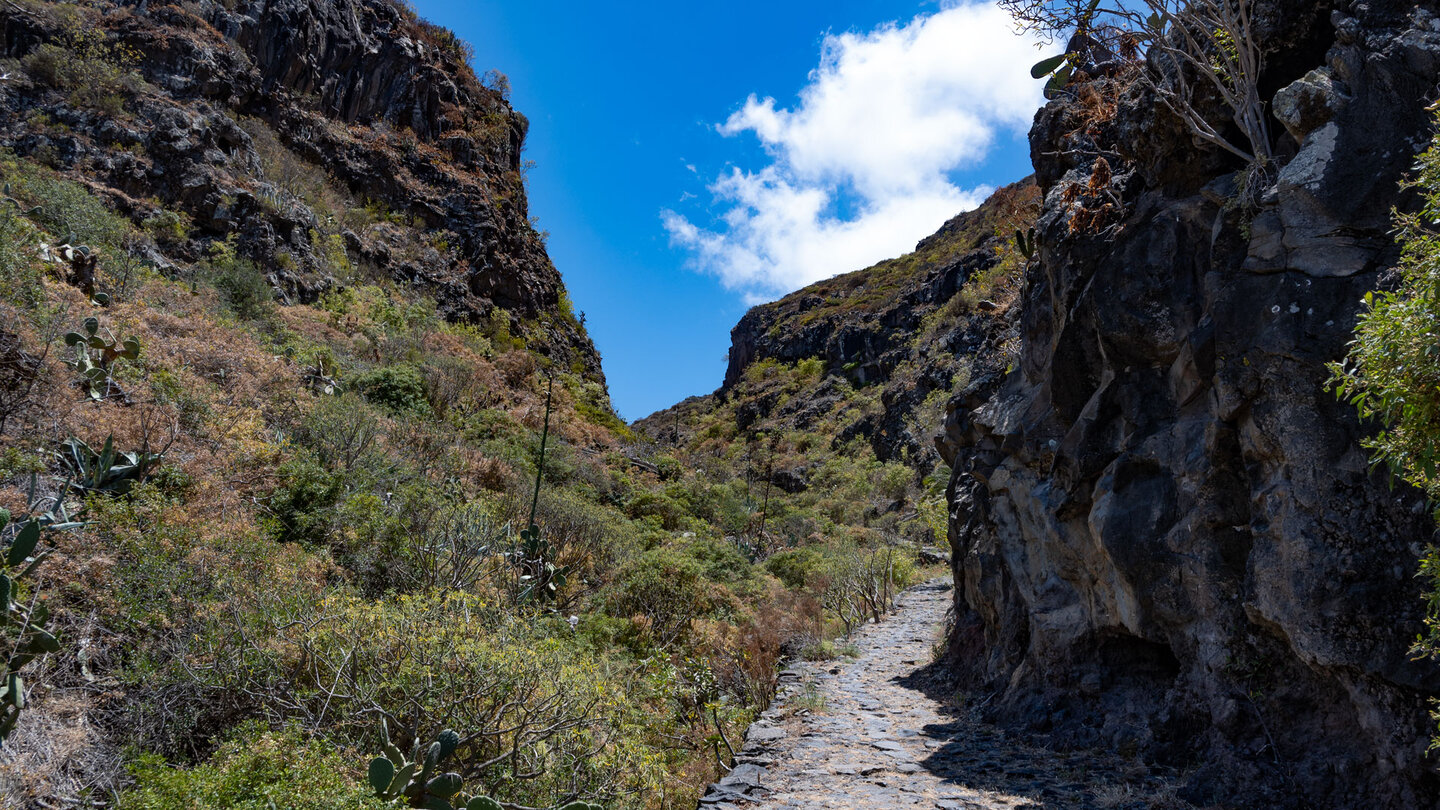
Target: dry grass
[58,754]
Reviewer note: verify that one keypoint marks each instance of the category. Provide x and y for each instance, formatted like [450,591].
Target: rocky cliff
[328,140]
[908,326]
[1167,539]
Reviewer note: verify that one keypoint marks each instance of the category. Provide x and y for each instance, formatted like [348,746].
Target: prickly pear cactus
[23,620]
[397,776]
[413,778]
[96,351]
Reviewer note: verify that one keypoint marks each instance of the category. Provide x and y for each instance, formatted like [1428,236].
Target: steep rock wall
[1166,536]
[369,95]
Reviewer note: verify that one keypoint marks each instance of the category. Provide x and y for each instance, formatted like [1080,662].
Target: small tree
[1191,44]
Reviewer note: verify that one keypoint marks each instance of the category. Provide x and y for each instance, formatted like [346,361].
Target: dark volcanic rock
[898,325]
[1166,536]
[244,105]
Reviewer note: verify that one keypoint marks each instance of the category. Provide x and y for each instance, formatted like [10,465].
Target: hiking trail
[863,733]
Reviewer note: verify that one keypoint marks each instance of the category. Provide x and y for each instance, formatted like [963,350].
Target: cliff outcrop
[1167,538]
[908,326]
[327,140]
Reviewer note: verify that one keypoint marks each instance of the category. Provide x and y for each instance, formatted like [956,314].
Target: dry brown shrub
[515,367]
[744,654]
[487,472]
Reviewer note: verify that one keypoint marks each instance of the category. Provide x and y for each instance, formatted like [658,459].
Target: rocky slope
[1166,536]
[328,140]
[908,328]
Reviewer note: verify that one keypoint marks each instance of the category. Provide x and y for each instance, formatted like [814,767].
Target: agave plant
[109,470]
[540,578]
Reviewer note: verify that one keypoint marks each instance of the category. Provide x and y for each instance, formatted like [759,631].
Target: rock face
[325,137]
[1166,536]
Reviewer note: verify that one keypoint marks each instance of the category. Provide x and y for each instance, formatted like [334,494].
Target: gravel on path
[860,733]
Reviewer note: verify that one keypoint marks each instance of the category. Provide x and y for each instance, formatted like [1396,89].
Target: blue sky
[694,158]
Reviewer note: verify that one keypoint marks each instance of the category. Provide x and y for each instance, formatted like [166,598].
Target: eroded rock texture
[1167,537]
[901,325]
[319,135]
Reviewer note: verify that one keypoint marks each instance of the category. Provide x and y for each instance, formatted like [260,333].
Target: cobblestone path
[858,733]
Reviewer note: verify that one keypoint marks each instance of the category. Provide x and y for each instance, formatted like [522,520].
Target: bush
[659,505]
[1392,373]
[67,209]
[665,587]
[20,274]
[82,61]
[345,434]
[542,719]
[302,507]
[721,561]
[255,770]
[243,287]
[794,567]
[397,388]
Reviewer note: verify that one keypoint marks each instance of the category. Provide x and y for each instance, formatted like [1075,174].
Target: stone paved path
[879,742]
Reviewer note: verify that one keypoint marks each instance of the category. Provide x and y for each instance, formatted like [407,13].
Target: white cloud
[883,120]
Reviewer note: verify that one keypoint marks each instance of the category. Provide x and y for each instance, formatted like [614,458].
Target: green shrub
[255,770]
[811,368]
[548,718]
[95,73]
[302,508]
[243,287]
[168,227]
[397,388]
[893,480]
[720,561]
[345,432]
[670,469]
[20,273]
[67,209]
[667,588]
[1392,373]
[658,505]
[150,543]
[794,567]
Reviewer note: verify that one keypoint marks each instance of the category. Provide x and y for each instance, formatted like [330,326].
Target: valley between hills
[1115,492]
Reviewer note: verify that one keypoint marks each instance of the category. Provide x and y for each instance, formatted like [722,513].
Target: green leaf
[1045,67]
[445,785]
[43,641]
[24,544]
[483,803]
[449,741]
[380,774]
